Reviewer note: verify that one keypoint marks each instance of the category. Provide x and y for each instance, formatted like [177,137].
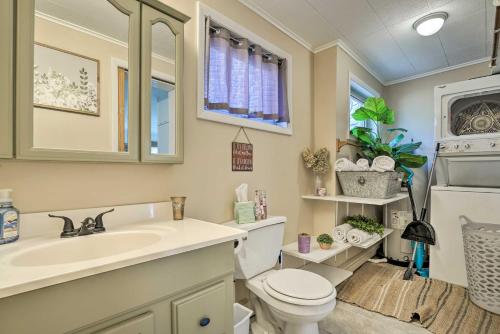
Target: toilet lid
[300,284]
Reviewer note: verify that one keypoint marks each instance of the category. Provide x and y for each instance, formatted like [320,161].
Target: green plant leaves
[364,135]
[372,144]
[397,129]
[366,224]
[408,148]
[324,239]
[396,140]
[376,110]
[412,160]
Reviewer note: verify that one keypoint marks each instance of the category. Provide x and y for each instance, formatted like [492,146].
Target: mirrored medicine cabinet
[95,80]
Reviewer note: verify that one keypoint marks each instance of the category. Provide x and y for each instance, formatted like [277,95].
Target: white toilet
[297,297]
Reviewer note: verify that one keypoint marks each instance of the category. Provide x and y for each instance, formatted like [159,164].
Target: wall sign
[242,154]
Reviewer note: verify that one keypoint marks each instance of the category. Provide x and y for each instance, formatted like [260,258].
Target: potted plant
[319,162]
[381,140]
[366,224]
[325,241]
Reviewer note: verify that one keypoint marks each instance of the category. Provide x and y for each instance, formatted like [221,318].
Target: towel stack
[346,233]
[380,164]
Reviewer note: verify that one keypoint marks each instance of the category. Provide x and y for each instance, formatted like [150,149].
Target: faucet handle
[99,225]
[68,229]
[87,227]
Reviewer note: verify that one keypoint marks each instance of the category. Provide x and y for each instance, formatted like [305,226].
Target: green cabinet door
[6,77]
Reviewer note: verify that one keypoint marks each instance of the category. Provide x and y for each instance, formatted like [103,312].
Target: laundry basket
[482,261]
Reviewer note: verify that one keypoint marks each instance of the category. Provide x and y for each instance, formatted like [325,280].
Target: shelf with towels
[373,240]
[358,200]
[318,255]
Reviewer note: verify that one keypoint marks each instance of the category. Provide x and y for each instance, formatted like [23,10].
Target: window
[245,80]
[358,94]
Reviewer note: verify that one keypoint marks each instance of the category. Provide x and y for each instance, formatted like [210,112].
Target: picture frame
[65,81]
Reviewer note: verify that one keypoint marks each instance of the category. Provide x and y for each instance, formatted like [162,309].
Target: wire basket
[482,261]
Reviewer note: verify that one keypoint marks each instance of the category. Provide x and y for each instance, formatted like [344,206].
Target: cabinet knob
[204,322]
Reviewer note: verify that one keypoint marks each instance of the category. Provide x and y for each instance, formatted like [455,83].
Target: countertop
[176,237]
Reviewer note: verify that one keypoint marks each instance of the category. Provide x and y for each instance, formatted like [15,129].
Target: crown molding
[265,15]
[347,49]
[441,70]
[94,33]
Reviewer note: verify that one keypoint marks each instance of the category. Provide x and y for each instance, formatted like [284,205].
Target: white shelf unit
[358,200]
[317,255]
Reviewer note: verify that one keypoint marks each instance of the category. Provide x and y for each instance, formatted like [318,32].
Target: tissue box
[244,212]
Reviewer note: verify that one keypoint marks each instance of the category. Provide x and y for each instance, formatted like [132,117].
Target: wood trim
[151,15]
[167,10]
[121,109]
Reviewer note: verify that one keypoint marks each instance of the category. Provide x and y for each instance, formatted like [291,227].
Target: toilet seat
[299,287]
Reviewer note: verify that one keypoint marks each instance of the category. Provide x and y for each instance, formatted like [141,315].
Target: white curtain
[241,80]
[255,83]
[270,87]
[238,77]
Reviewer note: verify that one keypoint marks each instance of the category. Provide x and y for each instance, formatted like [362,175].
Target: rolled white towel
[346,165]
[357,237]
[363,163]
[383,164]
[340,232]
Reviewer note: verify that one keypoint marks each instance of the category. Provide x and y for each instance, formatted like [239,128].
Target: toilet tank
[261,249]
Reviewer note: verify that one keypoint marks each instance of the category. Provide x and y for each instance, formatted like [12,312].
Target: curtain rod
[268,54]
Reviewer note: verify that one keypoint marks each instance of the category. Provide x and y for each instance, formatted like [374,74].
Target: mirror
[162,108]
[81,97]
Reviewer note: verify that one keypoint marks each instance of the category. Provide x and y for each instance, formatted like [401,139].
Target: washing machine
[467,126]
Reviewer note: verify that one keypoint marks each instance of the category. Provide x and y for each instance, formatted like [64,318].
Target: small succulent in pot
[325,241]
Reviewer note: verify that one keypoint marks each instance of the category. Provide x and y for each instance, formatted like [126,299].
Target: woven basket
[370,184]
[482,261]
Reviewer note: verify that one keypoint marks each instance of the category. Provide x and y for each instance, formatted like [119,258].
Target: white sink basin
[85,248]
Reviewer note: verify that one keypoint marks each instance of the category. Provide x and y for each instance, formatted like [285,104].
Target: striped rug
[440,307]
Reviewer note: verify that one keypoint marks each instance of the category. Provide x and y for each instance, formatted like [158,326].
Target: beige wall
[413,102]
[206,176]
[67,130]
[332,69]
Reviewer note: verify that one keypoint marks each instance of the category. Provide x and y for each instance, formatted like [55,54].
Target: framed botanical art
[65,81]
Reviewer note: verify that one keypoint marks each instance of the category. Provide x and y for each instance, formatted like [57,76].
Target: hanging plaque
[242,154]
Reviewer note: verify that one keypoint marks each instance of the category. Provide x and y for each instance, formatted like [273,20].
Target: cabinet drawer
[201,312]
[142,324]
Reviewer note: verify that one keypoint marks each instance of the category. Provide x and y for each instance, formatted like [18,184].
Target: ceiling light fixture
[430,24]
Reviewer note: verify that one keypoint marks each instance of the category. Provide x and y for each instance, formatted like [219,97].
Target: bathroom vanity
[146,274]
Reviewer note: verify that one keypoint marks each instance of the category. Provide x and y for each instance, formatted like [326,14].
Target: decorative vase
[304,243]
[178,203]
[319,189]
[323,245]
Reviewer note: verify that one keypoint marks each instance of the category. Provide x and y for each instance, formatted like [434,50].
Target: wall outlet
[400,219]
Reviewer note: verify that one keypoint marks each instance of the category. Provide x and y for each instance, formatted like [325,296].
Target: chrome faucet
[88,226]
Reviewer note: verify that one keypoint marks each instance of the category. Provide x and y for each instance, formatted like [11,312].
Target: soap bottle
[9,218]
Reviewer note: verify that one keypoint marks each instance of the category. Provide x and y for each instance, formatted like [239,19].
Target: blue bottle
[9,218]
